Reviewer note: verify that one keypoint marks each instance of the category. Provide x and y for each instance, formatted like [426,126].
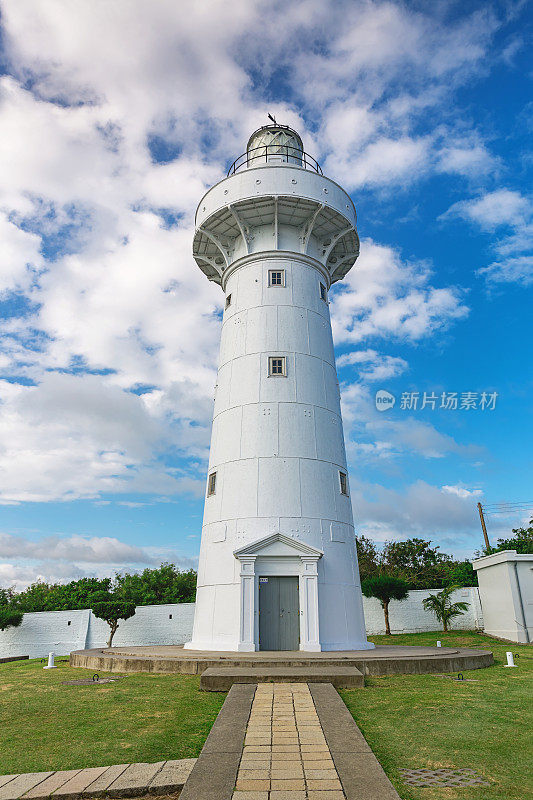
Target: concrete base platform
[221,679]
[383,660]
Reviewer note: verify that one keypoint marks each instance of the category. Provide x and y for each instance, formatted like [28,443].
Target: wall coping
[501,558]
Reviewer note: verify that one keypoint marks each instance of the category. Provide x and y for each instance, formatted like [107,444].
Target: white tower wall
[277,445]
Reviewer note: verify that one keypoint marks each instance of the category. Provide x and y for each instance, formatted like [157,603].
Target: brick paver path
[285,754]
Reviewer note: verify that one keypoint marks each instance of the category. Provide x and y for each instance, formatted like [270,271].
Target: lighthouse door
[279,623]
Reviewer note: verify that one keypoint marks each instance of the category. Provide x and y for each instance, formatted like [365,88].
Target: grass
[45,725]
[409,720]
[423,721]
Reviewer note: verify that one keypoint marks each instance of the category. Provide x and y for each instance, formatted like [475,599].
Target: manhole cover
[443,777]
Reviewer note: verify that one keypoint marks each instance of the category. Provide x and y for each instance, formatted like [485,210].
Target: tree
[111,607]
[58,596]
[166,584]
[368,557]
[385,588]
[462,574]
[10,617]
[417,562]
[522,542]
[443,608]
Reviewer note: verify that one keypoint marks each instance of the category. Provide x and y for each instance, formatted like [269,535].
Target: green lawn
[409,720]
[45,725]
[425,721]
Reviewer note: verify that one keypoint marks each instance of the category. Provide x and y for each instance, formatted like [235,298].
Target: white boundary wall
[408,616]
[48,631]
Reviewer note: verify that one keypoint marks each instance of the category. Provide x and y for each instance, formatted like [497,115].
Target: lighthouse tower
[278,565]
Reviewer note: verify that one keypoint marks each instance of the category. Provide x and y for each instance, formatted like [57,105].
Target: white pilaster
[310,637]
[247,628]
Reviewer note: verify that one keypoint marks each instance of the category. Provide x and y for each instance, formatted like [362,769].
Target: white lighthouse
[278,565]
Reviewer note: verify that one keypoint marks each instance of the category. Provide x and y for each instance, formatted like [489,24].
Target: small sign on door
[263,580]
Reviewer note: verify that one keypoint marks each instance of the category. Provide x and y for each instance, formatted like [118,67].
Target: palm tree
[385,588]
[443,608]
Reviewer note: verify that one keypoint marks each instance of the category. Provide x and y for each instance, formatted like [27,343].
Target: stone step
[220,679]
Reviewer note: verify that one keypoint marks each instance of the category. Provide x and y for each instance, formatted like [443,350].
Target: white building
[278,565]
[506,594]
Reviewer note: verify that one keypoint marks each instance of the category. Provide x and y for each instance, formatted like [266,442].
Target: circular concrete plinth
[383,660]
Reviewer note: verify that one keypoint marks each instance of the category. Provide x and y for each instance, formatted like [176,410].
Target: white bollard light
[51,664]
[439,644]
[510,660]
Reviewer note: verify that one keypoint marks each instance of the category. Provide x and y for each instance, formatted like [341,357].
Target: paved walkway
[285,755]
[281,741]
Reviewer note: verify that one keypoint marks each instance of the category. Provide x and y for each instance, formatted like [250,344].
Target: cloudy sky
[114,119]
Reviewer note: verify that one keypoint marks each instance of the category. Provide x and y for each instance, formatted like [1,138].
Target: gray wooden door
[279,620]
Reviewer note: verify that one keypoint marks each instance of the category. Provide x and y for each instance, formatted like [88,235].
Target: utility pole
[484,527]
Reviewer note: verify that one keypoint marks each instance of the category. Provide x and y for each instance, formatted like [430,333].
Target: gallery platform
[342,668]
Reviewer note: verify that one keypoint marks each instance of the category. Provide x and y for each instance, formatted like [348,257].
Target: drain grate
[443,777]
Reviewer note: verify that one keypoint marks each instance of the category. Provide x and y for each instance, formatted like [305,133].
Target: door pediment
[278,544]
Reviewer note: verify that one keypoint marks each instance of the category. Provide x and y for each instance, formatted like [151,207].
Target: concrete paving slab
[360,773]
[172,776]
[342,732]
[213,777]
[220,679]
[134,778]
[22,784]
[50,784]
[363,777]
[228,731]
[78,783]
[6,778]
[99,786]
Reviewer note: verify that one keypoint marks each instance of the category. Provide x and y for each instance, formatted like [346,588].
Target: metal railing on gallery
[270,153]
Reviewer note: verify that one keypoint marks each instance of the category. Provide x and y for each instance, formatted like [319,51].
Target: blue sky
[114,120]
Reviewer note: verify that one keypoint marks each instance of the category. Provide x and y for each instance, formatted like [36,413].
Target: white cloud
[19,256]
[383,296]
[373,366]
[509,215]
[461,491]
[383,161]
[75,436]
[372,435]
[122,296]
[93,550]
[467,157]
[501,207]
[419,509]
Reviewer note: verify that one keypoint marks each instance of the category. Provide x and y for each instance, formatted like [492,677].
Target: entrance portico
[278,555]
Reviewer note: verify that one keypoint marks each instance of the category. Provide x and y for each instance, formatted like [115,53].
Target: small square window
[276,366]
[69,622]
[323,293]
[170,616]
[276,277]
[228,301]
[212,484]
[343,478]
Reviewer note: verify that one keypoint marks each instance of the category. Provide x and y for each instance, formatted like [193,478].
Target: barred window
[343,479]
[212,484]
[228,301]
[276,277]
[323,293]
[276,365]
